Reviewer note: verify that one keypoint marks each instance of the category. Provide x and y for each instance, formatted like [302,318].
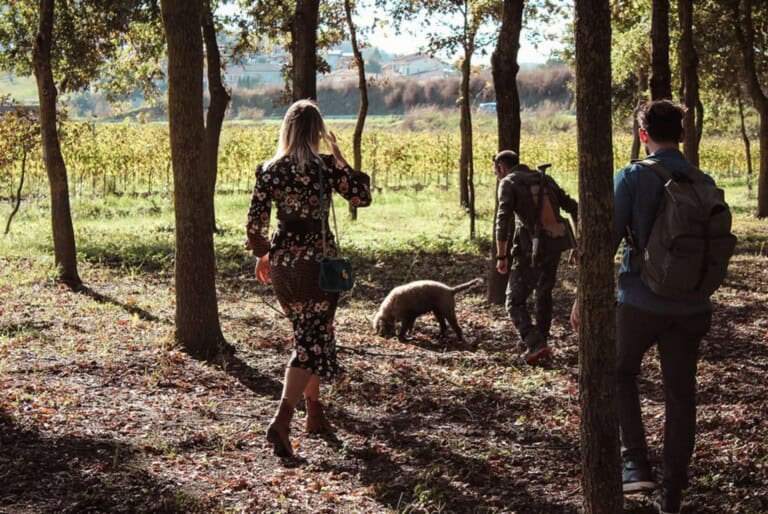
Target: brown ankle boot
[316,420]
[279,428]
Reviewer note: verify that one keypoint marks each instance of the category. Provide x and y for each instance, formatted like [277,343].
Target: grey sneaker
[668,501]
[637,477]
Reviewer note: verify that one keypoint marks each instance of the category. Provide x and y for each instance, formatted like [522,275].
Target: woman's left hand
[335,150]
[263,269]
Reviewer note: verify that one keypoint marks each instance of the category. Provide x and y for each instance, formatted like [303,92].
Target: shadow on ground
[42,474]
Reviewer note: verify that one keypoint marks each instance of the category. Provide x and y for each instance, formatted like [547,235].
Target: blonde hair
[300,133]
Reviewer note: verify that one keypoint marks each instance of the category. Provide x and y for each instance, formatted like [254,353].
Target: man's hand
[575,315]
[573,257]
[263,269]
[501,266]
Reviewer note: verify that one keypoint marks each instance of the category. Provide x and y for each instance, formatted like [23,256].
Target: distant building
[418,66]
[251,75]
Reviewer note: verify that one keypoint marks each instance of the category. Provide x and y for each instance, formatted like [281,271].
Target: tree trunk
[599,427]
[642,89]
[661,76]
[746,36]
[689,81]
[699,117]
[304,47]
[504,68]
[465,125]
[745,138]
[197,319]
[65,252]
[17,200]
[362,84]
[219,99]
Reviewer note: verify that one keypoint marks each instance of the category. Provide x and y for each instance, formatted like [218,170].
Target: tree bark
[65,252]
[304,49]
[362,84]
[197,319]
[745,138]
[661,75]
[504,69]
[599,427]
[745,34]
[219,99]
[17,200]
[465,126]
[689,82]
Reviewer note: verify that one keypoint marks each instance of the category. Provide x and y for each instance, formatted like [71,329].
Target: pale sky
[410,40]
[407,43]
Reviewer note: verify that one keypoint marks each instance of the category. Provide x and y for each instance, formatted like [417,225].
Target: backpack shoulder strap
[696,174]
[657,167]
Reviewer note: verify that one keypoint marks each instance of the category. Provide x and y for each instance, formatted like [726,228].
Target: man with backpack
[676,228]
[529,216]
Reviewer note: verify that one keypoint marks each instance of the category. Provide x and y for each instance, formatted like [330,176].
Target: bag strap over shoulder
[333,213]
[664,173]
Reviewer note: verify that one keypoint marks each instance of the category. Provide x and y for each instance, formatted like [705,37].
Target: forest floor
[100,412]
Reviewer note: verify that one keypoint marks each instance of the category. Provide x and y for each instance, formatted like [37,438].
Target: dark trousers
[525,279]
[678,339]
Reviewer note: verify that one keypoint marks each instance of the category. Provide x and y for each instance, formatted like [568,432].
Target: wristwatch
[501,257]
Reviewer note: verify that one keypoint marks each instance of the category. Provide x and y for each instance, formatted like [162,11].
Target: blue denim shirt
[638,191]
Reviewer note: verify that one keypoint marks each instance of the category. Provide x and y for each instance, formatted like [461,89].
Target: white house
[417,65]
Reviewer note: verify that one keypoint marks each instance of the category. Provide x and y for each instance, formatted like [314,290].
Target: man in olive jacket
[530,214]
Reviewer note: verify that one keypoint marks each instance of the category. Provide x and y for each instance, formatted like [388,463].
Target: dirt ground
[100,412]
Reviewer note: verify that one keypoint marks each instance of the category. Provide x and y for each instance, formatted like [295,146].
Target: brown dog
[407,302]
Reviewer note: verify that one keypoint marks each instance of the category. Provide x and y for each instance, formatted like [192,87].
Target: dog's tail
[462,287]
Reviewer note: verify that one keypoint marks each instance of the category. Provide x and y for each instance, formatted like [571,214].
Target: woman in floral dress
[291,181]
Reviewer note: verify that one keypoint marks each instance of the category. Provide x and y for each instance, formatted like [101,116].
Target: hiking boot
[668,501]
[278,430]
[316,422]
[637,477]
[537,347]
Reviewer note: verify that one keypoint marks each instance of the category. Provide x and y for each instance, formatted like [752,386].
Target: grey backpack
[691,243]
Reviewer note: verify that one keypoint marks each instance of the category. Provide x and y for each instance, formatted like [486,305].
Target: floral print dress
[296,248]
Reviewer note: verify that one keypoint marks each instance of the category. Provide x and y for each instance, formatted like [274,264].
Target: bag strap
[333,213]
[695,176]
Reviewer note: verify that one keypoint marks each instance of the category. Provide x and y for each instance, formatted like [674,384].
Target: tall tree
[470,26]
[599,426]
[219,98]
[67,46]
[61,217]
[661,75]
[197,319]
[693,119]
[745,32]
[504,70]
[362,84]
[454,26]
[304,49]
[302,27]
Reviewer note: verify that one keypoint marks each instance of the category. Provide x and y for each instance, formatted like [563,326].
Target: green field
[21,89]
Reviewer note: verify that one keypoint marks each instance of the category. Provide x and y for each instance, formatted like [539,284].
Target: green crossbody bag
[335,272]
